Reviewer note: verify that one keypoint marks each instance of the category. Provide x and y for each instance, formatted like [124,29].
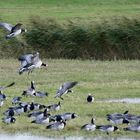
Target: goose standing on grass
[89,127]
[132,118]
[68,116]
[39,115]
[54,107]
[64,117]
[14,30]
[57,125]
[30,91]
[90,98]
[43,120]
[133,128]
[19,109]
[29,62]
[41,94]
[117,120]
[117,114]
[9,120]
[65,88]
[10,112]
[107,128]
[16,100]
[35,106]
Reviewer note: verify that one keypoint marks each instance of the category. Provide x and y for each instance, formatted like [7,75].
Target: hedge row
[104,40]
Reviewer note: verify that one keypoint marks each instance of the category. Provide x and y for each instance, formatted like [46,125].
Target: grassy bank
[105,80]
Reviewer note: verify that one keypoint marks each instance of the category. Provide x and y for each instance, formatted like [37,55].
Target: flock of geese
[40,113]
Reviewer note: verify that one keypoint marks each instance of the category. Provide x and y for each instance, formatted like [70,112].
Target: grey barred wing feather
[26,59]
[6,26]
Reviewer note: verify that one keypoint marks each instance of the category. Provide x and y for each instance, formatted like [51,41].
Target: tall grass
[116,38]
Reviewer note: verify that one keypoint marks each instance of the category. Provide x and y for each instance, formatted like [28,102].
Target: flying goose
[65,88]
[14,30]
[25,59]
[29,62]
[89,127]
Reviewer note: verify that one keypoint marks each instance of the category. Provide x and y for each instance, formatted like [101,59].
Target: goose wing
[6,26]
[69,85]
[3,87]
[26,59]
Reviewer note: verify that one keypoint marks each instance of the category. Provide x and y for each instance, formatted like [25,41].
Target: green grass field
[21,11]
[104,80]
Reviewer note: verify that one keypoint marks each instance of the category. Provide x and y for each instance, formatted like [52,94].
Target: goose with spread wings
[13,29]
[30,62]
[65,88]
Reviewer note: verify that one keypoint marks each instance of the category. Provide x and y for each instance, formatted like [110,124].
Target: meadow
[14,10]
[103,79]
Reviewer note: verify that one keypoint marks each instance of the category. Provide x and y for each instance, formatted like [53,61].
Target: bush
[117,38]
[104,40]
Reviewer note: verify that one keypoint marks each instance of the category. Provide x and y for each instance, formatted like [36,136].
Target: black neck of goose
[25,108]
[73,116]
[92,121]
[32,85]
[125,121]
[32,106]
[115,128]
[43,64]
[23,30]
